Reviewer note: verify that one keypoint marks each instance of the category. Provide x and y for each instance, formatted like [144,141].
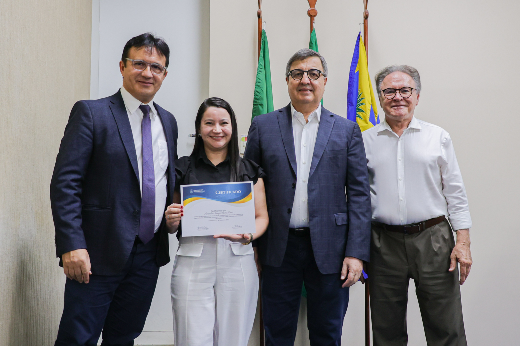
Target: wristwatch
[250,239]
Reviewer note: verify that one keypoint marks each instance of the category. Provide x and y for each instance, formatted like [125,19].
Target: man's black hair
[149,41]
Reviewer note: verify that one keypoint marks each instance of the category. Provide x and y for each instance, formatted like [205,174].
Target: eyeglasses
[389,93]
[297,74]
[141,65]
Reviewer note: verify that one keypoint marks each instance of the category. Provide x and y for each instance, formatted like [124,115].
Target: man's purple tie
[147,224]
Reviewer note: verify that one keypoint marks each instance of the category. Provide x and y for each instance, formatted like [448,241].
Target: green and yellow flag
[263,98]
[313,44]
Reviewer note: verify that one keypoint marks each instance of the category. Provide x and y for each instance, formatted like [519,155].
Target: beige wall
[467,52]
[45,59]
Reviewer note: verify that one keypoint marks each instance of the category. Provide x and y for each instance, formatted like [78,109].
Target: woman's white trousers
[214,292]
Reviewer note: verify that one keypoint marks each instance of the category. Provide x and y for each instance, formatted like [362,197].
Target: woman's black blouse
[198,169]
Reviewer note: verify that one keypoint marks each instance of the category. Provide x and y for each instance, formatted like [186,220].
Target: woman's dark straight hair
[232,146]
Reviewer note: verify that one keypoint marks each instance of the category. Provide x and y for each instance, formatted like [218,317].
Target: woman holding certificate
[214,286]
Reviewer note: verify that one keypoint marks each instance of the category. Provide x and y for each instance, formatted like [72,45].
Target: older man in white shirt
[418,198]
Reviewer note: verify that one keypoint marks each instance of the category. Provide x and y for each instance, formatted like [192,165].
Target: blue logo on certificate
[225,208]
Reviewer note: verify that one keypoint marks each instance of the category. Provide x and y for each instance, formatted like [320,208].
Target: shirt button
[399,159]
[400,179]
[304,144]
[400,199]
[304,180]
[304,220]
[303,162]
[303,199]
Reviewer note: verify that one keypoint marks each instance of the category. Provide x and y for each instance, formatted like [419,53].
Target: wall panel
[45,59]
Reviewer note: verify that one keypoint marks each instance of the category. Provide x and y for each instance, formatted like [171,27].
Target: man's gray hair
[409,70]
[303,54]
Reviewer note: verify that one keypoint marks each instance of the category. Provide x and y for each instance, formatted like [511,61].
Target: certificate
[225,208]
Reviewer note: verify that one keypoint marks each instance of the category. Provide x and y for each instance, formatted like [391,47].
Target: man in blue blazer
[318,200]
[113,177]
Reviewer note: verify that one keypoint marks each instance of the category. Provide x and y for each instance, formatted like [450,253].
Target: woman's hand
[237,238]
[173,216]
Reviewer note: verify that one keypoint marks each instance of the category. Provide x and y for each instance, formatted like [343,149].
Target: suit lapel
[324,130]
[166,124]
[117,106]
[285,123]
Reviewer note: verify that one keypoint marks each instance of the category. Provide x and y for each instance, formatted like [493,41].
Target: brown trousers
[424,257]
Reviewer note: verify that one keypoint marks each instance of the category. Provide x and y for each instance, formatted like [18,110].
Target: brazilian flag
[263,98]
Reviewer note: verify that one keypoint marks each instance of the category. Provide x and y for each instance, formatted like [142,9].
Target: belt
[411,228]
[300,232]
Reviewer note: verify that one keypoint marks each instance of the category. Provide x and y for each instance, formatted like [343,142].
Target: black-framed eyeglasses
[297,74]
[141,65]
[405,92]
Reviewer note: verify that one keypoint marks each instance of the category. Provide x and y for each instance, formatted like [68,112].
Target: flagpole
[261,317]
[365,25]
[367,288]
[312,12]
[367,313]
[259,15]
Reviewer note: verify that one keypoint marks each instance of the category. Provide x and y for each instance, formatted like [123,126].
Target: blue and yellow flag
[361,103]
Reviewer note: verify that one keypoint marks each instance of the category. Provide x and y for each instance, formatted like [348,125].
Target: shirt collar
[414,124]
[201,156]
[132,104]
[316,112]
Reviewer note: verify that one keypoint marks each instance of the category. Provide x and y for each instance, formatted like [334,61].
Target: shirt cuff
[460,220]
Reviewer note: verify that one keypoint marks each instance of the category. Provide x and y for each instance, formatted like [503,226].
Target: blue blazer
[95,194]
[338,188]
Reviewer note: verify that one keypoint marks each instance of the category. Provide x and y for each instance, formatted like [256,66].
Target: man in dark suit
[319,207]
[113,177]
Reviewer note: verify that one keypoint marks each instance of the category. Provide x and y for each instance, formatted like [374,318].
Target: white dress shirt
[414,177]
[304,134]
[160,150]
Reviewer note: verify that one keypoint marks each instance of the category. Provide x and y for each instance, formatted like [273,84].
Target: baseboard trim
[154,339]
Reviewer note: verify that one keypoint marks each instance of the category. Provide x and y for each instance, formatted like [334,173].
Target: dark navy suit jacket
[338,188]
[95,194]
